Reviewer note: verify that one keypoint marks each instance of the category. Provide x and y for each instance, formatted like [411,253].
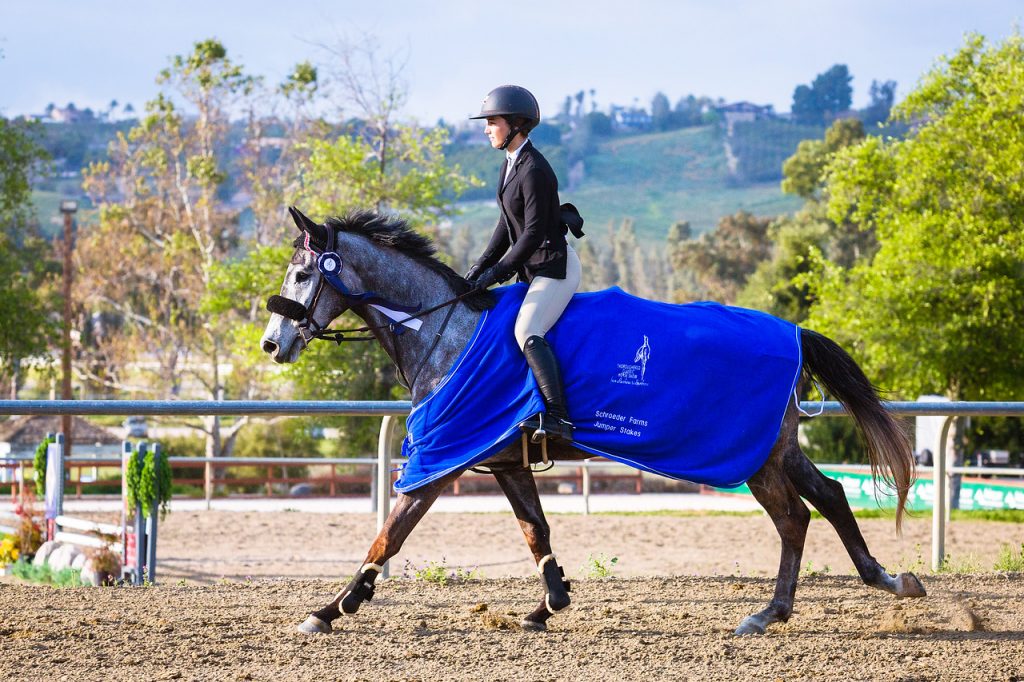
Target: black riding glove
[492,275]
[473,273]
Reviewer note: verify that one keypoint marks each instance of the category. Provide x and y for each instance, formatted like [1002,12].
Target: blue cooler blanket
[694,392]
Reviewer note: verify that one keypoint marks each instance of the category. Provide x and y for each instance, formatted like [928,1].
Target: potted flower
[30,534]
[9,553]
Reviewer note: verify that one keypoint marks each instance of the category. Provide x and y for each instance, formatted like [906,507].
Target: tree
[681,279]
[375,163]
[882,97]
[689,111]
[23,254]
[829,95]
[374,84]
[591,260]
[342,175]
[833,91]
[719,262]
[278,147]
[806,109]
[159,204]
[661,112]
[801,241]
[938,308]
[596,124]
[775,286]
[414,180]
[804,170]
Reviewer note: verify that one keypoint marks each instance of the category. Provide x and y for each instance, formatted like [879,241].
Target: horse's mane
[395,233]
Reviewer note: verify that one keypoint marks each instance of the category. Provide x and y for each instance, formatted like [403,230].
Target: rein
[293,310]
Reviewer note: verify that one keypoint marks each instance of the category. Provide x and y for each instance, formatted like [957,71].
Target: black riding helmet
[515,104]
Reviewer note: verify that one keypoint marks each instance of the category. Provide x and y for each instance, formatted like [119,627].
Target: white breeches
[546,300]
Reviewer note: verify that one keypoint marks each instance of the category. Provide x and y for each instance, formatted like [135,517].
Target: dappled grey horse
[374,253]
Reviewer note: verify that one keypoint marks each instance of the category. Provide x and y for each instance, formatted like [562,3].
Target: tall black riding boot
[555,422]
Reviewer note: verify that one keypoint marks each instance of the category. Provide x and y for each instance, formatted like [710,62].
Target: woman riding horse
[529,240]
[369,263]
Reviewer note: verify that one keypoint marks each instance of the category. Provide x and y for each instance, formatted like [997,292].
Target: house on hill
[743,112]
[21,436]
[632,119]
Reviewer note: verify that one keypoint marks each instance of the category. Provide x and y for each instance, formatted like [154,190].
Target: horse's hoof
[908,585]
[533,626]
[315,626]
[750,626]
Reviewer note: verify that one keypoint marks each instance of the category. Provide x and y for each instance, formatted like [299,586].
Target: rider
[529,240]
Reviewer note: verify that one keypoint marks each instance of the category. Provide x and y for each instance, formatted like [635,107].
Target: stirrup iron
[546,427]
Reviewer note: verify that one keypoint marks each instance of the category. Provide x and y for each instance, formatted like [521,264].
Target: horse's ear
[302,221]
[317,232]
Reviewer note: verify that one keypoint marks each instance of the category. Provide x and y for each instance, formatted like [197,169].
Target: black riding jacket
[530,221]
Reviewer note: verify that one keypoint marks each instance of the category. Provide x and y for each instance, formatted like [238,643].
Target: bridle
[329,264]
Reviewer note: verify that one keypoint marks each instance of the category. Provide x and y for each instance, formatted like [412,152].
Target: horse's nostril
[269,347]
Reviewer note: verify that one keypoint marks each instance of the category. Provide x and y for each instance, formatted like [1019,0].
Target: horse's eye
[302,276]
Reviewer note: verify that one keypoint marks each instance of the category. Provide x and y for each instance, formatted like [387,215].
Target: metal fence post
[387,432]
[208,482]
[939,485]
[373,488]
[140,522]
[126,452]
[586,487]
[61,455]
[151,522]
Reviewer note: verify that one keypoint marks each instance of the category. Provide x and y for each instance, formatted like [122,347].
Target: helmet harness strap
[515,130]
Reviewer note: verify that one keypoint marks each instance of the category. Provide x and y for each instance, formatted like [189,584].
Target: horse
[379,253]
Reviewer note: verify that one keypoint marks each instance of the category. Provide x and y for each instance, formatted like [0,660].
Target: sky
[455,51]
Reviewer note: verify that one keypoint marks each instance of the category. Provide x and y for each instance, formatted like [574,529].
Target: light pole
[68,207]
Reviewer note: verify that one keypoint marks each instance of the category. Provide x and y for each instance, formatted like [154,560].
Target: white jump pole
[387,432]
[940,484]
[586,487]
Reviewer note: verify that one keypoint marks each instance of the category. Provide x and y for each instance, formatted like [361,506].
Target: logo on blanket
[634,374]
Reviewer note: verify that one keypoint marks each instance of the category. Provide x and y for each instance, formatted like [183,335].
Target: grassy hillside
[762,146]
[46,201]
[654,179]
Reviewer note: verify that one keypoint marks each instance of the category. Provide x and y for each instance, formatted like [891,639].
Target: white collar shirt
[511,158]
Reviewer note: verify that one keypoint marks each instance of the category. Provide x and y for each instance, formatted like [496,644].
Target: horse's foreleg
[408,511]
[828,497]
[521,490]
[775,493]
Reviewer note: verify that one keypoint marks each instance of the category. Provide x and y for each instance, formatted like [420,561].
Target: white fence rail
[8,517]
[390,409]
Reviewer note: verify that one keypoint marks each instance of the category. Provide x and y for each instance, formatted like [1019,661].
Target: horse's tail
[889,450]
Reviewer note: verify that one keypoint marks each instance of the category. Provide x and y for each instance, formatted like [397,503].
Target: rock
[63,557]
[44,552]
[79,562]
[91,575]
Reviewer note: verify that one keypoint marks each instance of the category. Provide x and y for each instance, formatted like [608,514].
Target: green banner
[974,493]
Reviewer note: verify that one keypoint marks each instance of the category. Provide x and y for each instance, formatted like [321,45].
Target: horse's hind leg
[828,497]
[521,490]
[773,490]
[407,512]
